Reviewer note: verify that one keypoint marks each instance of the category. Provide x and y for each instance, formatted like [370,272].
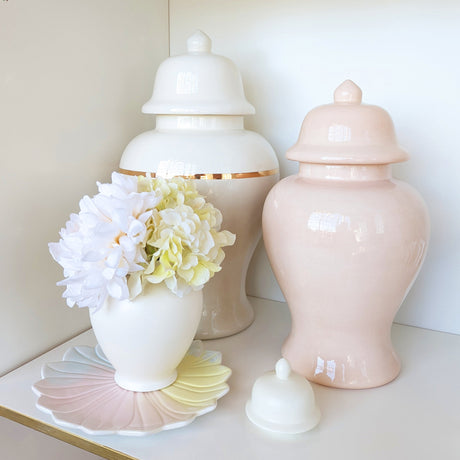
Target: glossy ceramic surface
[346,242]
[198,82]
[347,132]
[146,338]
[201,134]
[283,402]
[80,392]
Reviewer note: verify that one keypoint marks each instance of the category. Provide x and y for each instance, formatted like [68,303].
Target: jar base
[220,334]
[363,384]
[369,366]
[144,386]
[217,326]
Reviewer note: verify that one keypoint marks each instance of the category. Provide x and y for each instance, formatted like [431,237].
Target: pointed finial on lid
[199,42]
[348,93]
[283,369]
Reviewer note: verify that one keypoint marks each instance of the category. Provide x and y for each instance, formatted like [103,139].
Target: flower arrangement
[139,230]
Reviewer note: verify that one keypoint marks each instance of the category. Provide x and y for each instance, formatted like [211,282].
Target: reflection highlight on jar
[187,83]
[327,222]
[339,133]
[330,368]
[171,168]
[334,371]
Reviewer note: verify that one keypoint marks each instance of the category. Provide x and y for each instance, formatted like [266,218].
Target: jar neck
[345,172]
[200,122]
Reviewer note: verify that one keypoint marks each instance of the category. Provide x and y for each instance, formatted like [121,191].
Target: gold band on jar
[208,176]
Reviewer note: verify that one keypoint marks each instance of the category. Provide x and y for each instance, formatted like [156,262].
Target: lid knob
[348,93]
[283,369]
[198,43]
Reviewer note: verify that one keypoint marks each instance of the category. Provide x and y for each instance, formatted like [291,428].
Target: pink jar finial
[348,93]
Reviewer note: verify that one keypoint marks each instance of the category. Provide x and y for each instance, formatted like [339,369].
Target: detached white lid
[283,401]
[198,83]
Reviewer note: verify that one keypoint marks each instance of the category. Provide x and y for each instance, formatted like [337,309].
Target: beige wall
[73,76]
[404,55]
[74,73]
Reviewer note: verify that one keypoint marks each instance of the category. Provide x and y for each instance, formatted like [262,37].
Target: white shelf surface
[417,416]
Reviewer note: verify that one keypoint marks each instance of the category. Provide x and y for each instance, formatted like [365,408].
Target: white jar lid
[283,402]
[198,83]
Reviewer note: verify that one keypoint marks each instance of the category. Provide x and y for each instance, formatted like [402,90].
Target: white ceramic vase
[199,103]
[146,338]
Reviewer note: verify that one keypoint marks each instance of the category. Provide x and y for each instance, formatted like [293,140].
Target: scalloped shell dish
[80,392]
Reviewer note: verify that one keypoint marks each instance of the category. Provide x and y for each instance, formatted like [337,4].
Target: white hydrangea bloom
[136,231]
[104,242]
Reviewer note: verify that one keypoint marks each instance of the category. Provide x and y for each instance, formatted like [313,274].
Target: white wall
[403,54]
[73,76]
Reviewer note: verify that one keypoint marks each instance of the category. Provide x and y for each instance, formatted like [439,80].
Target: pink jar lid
[347,132]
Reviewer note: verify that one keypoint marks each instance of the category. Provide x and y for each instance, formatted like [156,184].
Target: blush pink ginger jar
[346,241]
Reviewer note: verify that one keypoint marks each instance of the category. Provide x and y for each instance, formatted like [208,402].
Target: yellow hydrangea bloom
[183,242]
